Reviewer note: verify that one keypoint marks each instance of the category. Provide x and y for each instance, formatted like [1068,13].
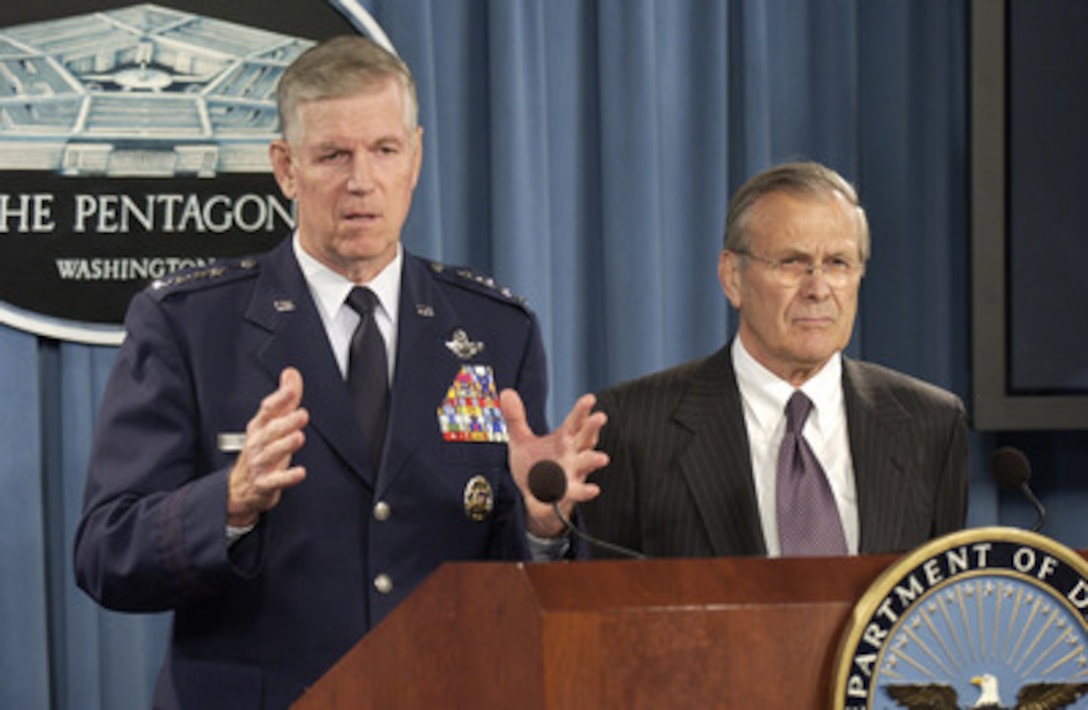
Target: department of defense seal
[989,618]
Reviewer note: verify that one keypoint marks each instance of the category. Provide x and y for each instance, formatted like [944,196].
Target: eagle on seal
[940,696]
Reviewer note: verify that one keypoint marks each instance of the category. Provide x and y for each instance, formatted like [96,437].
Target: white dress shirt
[330,291]
[764,395]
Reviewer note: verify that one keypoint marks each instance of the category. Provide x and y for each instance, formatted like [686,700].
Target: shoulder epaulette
[215,274]
[467,278]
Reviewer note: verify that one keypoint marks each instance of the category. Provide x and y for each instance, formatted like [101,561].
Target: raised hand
[570,445]
[263,468]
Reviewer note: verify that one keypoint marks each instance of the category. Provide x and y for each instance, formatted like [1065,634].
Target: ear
[283,169]
[730,277]
[418,157]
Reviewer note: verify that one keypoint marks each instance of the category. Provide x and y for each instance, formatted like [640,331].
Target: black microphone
[1011,469]
[548,484]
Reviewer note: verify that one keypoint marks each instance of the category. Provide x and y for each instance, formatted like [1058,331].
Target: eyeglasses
[838,271]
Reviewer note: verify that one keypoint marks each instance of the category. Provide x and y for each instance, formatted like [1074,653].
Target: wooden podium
[724,633]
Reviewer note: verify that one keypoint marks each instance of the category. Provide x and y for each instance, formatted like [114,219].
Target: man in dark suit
[232,480]
[694,450]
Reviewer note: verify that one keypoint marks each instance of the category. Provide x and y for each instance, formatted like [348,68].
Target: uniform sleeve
[152,534]
[511,541]
[533,380]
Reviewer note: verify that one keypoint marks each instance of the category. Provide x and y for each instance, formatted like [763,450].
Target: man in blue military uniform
[231,480]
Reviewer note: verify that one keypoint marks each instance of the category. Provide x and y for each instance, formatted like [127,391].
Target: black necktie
[808,519]
[368,374]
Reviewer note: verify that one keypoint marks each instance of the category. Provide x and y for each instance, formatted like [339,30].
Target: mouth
[813,321]
[360,217]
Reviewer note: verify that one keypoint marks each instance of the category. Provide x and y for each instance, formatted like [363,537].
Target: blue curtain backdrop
[582,151]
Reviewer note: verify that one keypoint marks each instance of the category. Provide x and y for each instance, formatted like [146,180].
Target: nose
[361,178]
[815,281]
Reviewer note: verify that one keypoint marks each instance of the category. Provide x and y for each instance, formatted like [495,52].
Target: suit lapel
[425,368]
[880,454]
[282,305]
[717,463]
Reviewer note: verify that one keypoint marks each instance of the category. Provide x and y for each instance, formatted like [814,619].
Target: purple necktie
[808,520]
[368,374]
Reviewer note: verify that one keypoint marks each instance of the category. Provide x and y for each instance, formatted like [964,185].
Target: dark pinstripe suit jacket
[680,482]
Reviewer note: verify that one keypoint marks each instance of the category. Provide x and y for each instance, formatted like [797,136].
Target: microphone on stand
[1011,469]
[548,484]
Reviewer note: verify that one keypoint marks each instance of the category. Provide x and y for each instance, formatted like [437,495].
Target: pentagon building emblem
[988,618]
[113,124]
[140,91]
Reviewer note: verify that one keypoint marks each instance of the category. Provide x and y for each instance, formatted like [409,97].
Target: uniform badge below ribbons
[470,412]
[479,499]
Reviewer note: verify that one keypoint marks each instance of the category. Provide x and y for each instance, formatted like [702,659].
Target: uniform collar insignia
[462,347]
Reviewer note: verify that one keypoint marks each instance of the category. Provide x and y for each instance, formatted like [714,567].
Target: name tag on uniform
[230,442]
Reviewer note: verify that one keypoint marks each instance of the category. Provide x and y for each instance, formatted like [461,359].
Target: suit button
[383,583]
[382,511]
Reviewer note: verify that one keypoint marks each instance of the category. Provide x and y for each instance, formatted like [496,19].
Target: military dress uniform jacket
[256,623]
[679,481]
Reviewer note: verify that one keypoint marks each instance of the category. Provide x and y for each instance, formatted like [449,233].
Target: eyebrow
[350,143]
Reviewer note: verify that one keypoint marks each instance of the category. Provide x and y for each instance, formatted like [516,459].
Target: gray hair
[341,67]
[797,178]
